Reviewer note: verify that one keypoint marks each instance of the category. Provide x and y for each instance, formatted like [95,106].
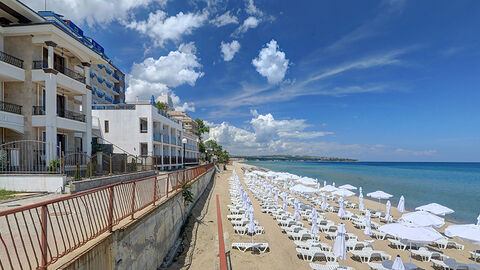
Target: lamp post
[184,141]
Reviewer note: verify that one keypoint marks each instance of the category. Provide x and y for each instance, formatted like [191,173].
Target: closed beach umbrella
[387,210]
[347,186]
[339,247]
[296,214]
[333,184]
[478,220]
[343,193]
[314,229]
[251,226]
[341,212]
[324,202]
[324,183]
[360,202]
[425,219]
[368,224]
[435,208]
[401,204]
[398,264]
[314,215]
[360,190]
[276,195]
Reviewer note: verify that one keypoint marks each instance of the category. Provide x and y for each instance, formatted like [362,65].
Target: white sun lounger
[261,247]
[426,254]
[439,264]
[313,243]
[328,266]
[244,229]
[444,243]
[397,244]
[315,253]
[377,266]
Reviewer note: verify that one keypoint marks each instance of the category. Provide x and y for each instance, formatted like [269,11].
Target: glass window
[107,127]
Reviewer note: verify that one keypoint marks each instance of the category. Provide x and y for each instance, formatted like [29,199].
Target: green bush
[187,193]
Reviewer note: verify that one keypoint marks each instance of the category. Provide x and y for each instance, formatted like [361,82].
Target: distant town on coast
[294,158]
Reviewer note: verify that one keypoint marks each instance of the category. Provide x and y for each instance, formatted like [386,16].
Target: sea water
[455,185]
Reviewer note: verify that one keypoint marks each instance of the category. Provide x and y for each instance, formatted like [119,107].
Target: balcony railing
[12,60]
[165,139]
[40,110]
[166,160]
[64,70]
[10,107]
[174,141]
[157,137]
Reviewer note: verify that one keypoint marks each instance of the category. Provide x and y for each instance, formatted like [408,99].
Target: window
[107,128]
[143,126]
[143,149]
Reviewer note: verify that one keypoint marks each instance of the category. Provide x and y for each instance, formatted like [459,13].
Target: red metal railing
[37,235]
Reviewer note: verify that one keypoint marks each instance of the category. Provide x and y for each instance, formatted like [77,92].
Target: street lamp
[184,141]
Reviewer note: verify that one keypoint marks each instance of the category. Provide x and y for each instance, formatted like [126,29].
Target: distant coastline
[294,158]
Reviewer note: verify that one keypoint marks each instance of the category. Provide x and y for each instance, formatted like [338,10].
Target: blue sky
[375,80]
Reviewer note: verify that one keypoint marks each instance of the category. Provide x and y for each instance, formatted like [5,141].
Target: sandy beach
[200,238]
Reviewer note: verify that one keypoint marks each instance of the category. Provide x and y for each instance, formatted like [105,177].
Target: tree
[161,106]
[202,128]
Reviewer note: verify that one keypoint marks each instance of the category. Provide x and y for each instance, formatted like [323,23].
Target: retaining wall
[33,182]
[145,242]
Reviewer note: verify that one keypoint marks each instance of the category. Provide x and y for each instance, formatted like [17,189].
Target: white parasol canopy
[347,186]
[328,188]
[303,189]
[435,208]
[343,193]
[466,232]
[411,233]
[379,195]
[425,219]
[307,181]
[401,204]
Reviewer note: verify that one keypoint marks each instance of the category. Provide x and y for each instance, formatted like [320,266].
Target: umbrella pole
[410,252]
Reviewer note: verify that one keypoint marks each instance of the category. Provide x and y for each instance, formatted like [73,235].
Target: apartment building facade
[45,83]
[143,130]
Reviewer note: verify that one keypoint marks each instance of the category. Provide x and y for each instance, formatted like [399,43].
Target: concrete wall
[144,243]
[33,182]
[77,186]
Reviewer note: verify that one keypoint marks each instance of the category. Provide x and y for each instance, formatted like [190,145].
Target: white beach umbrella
[303,189]
[276,195]
[314,215]
[328,188]
[314,229]
[368,224]
[478,220]
[324,202]
[465,232]
[387,210]
[360,190]
[284,203]
[401,204]
[398,264]
[339,247]
[343,193]
[341,212]
[360,202]
[435,208]
[347,186]
[380,195]
[425,219]
[296,214]
[333,184]
[251,226]
[324,183]
[411,233]
[307,181]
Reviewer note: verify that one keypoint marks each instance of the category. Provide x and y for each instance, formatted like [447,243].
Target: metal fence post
[133,200]
[44,244]
[110,210]
[111,165]
[168,183]
[62,164]
[154,190]
[126,160]
[91,167]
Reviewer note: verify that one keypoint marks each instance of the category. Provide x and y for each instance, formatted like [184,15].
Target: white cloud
[251,9]
[271,63]
[250,22]
[177,68]
[157,76]
[267,134]
[229,49]
[224,19]
[92,11]
[161,28]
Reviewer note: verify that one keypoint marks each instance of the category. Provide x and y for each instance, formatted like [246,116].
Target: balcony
[40,110]
[11,68]
[64,70]
[174,141]
[157,137]
[166,160]
[165,138]
[10,107]
[12,60]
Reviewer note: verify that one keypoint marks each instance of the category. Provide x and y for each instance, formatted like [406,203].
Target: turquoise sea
[455,185]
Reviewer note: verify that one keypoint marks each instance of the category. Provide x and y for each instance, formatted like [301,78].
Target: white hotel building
[143,130]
